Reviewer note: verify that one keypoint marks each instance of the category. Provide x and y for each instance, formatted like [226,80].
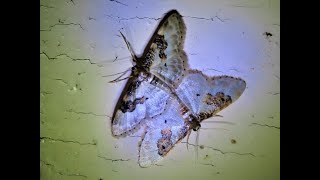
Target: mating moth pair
[167,98]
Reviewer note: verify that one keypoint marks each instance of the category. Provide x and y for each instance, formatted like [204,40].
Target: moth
[165,97]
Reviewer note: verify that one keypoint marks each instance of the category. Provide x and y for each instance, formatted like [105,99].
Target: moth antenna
[133,55]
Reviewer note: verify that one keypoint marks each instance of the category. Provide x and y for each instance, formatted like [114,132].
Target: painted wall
[80,45]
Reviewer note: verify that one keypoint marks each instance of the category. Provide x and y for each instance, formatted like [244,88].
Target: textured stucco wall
[79,40]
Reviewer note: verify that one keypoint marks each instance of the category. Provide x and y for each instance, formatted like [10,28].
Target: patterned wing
[205,96]
[141,98]
[161,134]
[164,55]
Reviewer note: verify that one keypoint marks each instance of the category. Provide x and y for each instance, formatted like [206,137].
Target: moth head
[193,123]
[196,127]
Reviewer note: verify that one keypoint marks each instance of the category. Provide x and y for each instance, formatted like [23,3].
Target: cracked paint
[42,140]
[113,160]
[60,172]
[80,50]
[266,125]
[219,150]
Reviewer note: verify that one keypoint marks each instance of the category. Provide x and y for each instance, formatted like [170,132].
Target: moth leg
[118,80]
[188,135]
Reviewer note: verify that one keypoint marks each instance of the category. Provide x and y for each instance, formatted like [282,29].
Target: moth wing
[161,134]
[139,100]
[164,52]
[205,95]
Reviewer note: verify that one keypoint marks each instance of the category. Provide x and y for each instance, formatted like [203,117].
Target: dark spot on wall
[267,34]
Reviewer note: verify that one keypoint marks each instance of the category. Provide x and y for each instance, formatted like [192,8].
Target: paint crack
[46,163]
[207,19]
[45,6]
[274,93]
[207,164]
[113,160]
[66,141]
[156,19]
[265,125]
[77,174]
[62,173]
[214,70]
[136,17]
[44,93]
[91,113]
[219,150]
[63,54]
[61,23]
[61,80]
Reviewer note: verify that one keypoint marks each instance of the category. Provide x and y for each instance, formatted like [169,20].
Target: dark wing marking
[142,98]
[205,96]
[161,134]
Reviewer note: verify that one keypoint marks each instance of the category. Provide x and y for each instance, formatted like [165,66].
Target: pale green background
[78,43]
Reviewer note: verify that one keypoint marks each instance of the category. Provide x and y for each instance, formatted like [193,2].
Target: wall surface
[80,45]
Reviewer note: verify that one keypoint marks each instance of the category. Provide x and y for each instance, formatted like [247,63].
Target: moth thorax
[144,76]
[197,127]
[185,112]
